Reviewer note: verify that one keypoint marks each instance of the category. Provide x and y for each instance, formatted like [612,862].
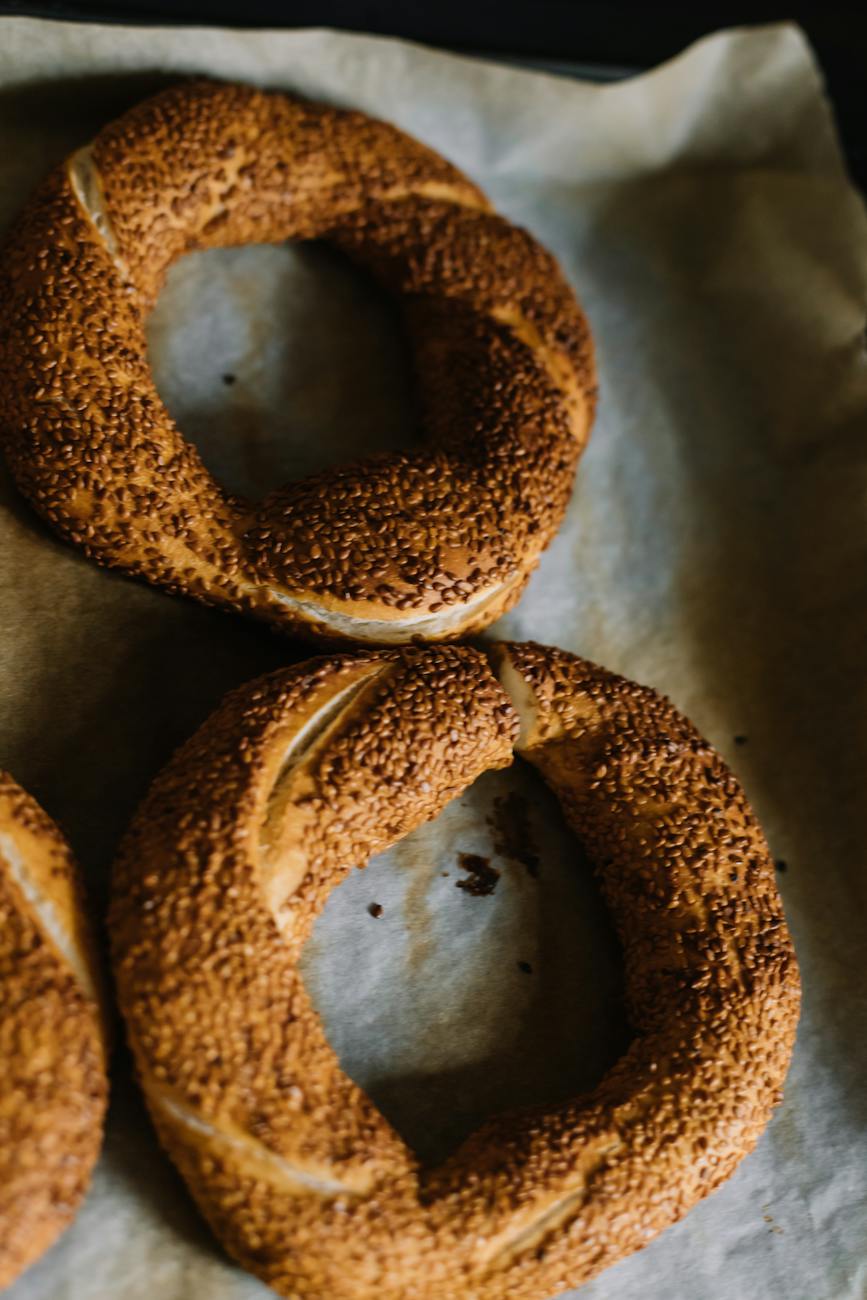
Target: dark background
[614,38]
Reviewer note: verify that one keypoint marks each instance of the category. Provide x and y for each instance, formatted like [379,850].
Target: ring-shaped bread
[431,543]
[302,775]
[53,1081]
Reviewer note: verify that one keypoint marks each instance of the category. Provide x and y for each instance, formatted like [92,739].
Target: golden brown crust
[430,544]
[53,1083]
[303,774]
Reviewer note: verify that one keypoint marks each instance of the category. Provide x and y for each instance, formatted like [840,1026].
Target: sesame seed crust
[301,775]
[53,1082]
[433,543]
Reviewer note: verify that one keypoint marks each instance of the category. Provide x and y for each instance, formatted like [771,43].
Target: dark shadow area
[43,107]
[133,1153]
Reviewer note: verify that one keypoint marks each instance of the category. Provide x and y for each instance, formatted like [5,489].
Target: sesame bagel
[302,775]
[53,1084]
[432,543]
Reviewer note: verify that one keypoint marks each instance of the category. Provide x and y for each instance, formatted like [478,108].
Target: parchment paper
[715,548]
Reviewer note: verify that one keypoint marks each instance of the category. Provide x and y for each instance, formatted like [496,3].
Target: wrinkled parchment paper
[714,548]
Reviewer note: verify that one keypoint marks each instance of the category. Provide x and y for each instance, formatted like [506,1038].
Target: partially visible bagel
[302,775]
[432,543]
[53,1082]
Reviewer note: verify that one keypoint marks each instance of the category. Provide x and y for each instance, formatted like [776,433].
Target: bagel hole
[279,361]
[451,993]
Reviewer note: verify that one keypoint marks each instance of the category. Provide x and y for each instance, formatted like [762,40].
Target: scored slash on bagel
[433,543]
[53,1084]
[304,774]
